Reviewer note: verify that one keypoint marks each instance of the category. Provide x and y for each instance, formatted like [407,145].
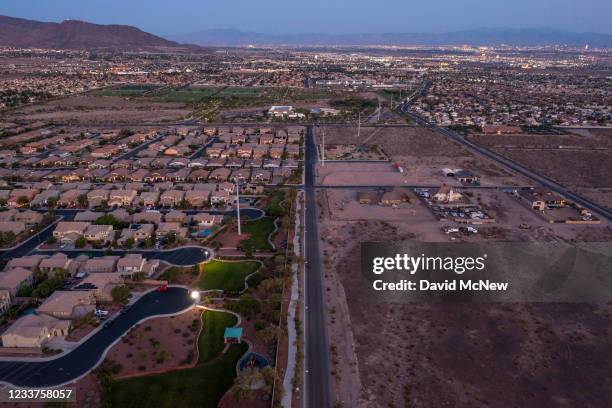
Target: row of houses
[16,221]
[53,317]
[142,226]
[214,170]
[121,195]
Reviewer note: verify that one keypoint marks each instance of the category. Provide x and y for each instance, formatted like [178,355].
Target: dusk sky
[165,17]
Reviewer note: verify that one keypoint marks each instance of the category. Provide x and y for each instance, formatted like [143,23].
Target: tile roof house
[207,220]
[220,174]
[166,227]
[197,198]
[97,197]
[100,285]
[43,198]
[70,198]
[171,198]
[138,175]
[13,279]
[175,216]
[120,198]
[58,261]
[261,176]
[15,227]
[131,264]
[137,232]
[30,218]
[17,194]
[241,175]
[104,264]
[149,198]
[218,197]
[30,262]
[87,216]
[65,228]
[67,304]
[34,331]
[153,217]
[102,233]
[198,175]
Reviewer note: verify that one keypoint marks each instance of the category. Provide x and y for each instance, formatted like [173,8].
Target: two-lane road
[318,376]
[88,355]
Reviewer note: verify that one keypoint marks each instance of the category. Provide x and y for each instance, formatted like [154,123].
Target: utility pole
[238,208]
[323,152]
[379,109]
[359,126]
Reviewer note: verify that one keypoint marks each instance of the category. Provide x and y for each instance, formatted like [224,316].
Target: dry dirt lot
[571,168]
[602,196]
[422,153]
[582,158]
[583,139]
[159,344]
[442,355]
[94,110]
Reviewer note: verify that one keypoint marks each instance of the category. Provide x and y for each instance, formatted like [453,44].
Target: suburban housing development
[187,223]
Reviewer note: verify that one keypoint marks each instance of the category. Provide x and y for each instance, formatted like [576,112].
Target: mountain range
[73,34]
[483,36]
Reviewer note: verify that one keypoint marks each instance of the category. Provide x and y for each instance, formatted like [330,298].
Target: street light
[195,295]
[238,207]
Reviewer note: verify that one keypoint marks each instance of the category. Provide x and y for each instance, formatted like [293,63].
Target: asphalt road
[86,357]
[318,376]
[539,179]
[28,246]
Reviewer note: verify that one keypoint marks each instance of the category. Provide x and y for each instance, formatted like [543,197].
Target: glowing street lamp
[195,295]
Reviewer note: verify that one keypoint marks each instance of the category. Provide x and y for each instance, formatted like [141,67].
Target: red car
[162,288]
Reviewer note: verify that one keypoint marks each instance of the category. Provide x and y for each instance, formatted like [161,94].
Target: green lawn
[210,343]
[202,386]
[258,231]
[187,95]
[127,90]
[274,207]
[226,275]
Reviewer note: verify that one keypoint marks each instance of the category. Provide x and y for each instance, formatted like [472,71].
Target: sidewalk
[292,351]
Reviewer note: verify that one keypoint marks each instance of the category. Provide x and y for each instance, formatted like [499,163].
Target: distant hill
[72,34]
[483,36]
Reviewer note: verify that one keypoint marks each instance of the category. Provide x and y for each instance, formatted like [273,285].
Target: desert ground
[94,110]
[437,354]
[406,354]
[422,153]
[580,160]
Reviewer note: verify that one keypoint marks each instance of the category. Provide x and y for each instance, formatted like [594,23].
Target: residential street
[87,356]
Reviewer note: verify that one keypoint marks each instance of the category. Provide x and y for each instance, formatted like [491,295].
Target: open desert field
[440,353]
[601,196]
[422,153]
[577,168]
[98,110]
[582,158]
[582,139]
